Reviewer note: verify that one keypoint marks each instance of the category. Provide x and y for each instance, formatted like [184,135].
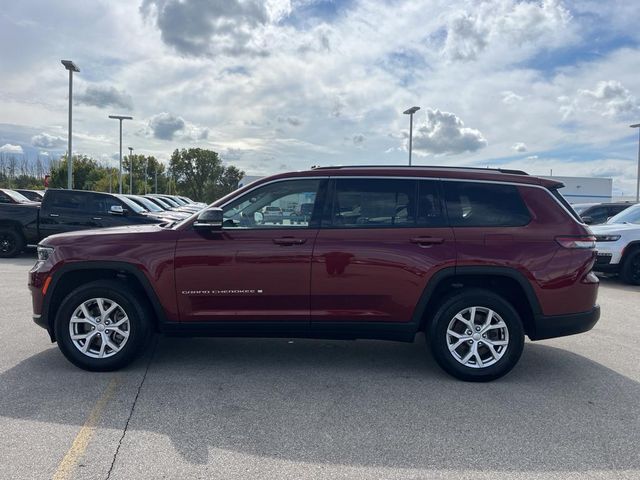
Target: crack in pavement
[133,407]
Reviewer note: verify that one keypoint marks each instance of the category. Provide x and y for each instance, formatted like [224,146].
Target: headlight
[44,253]
[607,238]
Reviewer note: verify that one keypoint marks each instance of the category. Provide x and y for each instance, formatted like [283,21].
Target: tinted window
[4,198]
[68,200]
[366,203]
[597,214]
[471,204]
[429,205]
[275,205]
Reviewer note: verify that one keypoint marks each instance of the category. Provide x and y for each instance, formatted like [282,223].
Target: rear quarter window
[475,204]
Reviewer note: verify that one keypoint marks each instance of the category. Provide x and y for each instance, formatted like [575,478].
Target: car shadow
[364,403]
[616,282]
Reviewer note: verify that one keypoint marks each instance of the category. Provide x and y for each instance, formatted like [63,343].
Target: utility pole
[410,112]
[130,170]
[120,118]
[72,67]
[637,125]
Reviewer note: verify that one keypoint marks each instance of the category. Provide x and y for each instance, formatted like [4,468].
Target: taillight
[580,241]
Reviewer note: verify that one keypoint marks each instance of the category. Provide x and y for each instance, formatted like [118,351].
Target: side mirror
[588,220]
[209,219]
[116,210]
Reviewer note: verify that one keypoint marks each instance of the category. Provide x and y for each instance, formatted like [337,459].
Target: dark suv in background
[474,258]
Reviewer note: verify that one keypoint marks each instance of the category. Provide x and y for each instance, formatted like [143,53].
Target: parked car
[33,195]
[272,215]
[175,204]
[618,245]
[597,213]
[8,196]
[154,208]
[475,258]
[27,223]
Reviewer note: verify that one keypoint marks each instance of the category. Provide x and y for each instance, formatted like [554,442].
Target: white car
[618,245]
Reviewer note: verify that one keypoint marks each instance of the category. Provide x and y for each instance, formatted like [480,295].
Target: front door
[258,267]
[384,239]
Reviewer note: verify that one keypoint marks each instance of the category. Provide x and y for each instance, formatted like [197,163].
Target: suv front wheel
[476,336]
[101,326]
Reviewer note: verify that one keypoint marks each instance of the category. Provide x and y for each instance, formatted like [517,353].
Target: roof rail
[434,167]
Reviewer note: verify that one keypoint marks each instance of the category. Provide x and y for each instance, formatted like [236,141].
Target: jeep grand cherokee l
[475,258]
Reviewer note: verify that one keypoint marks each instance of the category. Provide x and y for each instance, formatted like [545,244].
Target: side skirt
[330,330]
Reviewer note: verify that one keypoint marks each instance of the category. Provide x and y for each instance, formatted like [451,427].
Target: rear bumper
[563,325]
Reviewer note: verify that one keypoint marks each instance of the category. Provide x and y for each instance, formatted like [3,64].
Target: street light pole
[637,125]
[120,118]
[410,112]
[69,65]
[130,170]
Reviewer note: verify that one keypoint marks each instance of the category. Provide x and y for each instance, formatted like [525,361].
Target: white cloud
[44,140]
[9,148]
[609,99]
[445,133]
[519,147]
[511,98]
[500,22]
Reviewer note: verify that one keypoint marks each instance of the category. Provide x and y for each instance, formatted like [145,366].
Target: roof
[463,173]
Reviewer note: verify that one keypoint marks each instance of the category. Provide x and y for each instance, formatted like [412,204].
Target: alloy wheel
[99,328]
[477,337]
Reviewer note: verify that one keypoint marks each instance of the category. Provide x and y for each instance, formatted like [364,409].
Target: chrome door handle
[96,218]
[54,215]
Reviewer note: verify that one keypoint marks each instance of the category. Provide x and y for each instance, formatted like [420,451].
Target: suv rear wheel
[476,336]
[101,326]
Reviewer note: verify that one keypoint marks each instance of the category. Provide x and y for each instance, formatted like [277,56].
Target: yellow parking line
[81,442]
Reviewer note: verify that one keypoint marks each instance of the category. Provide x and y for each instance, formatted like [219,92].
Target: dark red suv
[475,258]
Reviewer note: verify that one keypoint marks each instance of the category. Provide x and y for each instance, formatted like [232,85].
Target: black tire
[630,272]
[11,242]
[136,311]
[438,337]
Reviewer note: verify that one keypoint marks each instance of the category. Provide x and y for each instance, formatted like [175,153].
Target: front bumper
[563,325]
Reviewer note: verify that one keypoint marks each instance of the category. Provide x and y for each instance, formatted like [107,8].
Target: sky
[278,85]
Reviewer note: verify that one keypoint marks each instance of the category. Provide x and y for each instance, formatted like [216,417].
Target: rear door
[381,241]
[67,211]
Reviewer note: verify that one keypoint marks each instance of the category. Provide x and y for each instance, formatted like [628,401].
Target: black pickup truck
[23,224]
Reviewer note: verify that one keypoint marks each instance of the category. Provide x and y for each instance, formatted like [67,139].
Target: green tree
[198,173]
[86,173]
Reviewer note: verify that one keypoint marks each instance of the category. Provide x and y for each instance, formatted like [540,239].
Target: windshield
[171,202]
[630,215]
[131,204]
[18,197]
[148,204]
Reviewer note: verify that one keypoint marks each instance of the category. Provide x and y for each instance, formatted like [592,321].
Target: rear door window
[374,203]
[476,204]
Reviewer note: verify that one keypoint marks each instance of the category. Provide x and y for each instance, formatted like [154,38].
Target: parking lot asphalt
[280,408]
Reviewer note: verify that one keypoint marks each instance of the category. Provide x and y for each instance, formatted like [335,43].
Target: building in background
[586,189]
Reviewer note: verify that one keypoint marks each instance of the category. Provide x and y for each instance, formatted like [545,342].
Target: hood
[614,228]
[124,234]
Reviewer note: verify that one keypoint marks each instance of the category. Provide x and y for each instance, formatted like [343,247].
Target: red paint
[325,274]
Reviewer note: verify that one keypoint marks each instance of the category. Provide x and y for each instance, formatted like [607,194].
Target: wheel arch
[504,281]
[71,276]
